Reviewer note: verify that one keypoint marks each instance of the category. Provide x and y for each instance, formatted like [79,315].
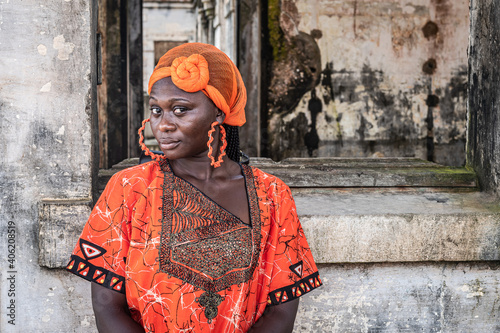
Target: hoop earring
[143,145]
[222,149]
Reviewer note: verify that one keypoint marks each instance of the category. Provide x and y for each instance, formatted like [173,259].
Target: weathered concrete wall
[162,22]
[47,104]
[483,137]
[225,27]
[418,297]
[390,79]
[249,64]
[165,22]
[112,92]
[47,110]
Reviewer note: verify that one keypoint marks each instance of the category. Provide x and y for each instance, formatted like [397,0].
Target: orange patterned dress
[185,263]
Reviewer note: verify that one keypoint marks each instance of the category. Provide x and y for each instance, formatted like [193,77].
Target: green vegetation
[276,36]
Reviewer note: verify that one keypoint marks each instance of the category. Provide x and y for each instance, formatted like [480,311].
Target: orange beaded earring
[143,146]
[222,149]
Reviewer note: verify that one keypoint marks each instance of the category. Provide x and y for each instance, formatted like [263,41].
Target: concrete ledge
[365,172]
[403,238]
[349,172]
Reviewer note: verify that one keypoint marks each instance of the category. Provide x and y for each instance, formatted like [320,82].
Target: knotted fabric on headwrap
[202,67]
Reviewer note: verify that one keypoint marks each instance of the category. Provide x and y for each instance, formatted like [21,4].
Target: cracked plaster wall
[392,79]
[46,149]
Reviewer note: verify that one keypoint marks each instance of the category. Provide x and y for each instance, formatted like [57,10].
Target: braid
[233,143]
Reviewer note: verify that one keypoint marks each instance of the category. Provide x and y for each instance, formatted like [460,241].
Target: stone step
[366,172]
[386,210]
[368,226]
[350,172]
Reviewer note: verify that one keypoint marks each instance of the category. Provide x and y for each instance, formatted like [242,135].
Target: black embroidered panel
[89,272]
[202,243]
[295,290]
[207,256]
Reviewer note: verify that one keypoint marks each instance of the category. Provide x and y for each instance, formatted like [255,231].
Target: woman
[194,241]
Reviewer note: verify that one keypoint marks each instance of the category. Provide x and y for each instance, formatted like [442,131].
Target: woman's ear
[220,116]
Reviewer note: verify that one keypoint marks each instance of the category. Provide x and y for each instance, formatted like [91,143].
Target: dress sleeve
[294,271]
[100,253]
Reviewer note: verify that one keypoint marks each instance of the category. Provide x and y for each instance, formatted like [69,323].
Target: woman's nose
[167,122]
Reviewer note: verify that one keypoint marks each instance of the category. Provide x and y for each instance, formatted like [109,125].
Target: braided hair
[233,145]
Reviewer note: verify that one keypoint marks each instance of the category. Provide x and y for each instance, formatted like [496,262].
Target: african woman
[195,241]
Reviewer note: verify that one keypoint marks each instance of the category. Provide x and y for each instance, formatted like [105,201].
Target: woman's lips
[168,144]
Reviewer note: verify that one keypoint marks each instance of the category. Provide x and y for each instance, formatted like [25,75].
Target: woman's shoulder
[140,174]
[268,180]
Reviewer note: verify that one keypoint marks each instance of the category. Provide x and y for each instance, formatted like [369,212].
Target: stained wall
[483,136]
[389,78]
[174,22]
[47,160]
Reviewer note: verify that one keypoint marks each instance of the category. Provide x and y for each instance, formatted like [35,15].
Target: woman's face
[180,120]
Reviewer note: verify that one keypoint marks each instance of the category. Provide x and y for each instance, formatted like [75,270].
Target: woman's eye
[179,109]
[155,110]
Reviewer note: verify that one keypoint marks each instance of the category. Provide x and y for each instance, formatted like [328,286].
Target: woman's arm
[277,318]
[111,311]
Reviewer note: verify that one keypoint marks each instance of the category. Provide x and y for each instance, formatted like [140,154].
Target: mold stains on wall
[451,115]
[484,88]
[390,110]
[354,13]
[453,94]
[388,75]
[430,30]
[275,36]
[297,73]
[294,67]
[293,133]
[432,101]
[311,138]
[403,35]
[64,48]
[329,96]
[430,66]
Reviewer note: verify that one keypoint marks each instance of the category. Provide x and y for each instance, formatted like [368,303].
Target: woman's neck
[199,168]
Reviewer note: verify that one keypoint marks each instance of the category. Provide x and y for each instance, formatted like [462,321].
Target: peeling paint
[64,48]
[473,289]
[61,130]
[42,49]
[46,87]
[85,322]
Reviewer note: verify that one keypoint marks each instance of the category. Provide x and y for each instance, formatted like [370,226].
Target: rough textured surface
[60,225]
[356,172]
[113,90]
[164,22]
[390,298]
[47,102]
[120,94]
[349,173]
[249,62]
[47,106]
[403,237]
[483,145]
[393,79]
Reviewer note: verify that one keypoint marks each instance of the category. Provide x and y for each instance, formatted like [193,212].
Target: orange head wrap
[203,67]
